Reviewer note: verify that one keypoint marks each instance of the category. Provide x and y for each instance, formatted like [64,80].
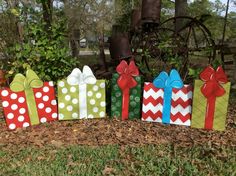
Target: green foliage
[123,7]
[231,28]
[167,9]
[194,72]
[216,11]
[168,57]
[124,20]
[46,53]
[216,63]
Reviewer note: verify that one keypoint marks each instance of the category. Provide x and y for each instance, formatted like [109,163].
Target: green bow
[22,83]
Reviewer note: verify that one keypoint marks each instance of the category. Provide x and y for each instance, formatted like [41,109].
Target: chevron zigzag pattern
[181,104]
[154,94]
[154,109]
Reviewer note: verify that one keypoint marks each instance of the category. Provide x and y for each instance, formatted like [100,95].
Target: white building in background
[83,43]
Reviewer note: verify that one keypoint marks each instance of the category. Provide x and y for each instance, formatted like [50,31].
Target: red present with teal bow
[126,91]
[28,101]
[167,100]
[210,102]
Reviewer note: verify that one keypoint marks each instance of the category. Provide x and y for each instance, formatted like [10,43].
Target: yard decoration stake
[81,95]
[214,89]
[29,101]
[126,91]
[167,100]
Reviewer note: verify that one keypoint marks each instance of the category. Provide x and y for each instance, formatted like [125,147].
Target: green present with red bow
[126,91]
[210,99]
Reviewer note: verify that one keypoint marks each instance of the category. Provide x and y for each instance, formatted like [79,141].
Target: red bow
[126,82]
[213,80]
[211,89]
[127,72]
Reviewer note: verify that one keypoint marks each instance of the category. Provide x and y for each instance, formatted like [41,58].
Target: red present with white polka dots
[16,110]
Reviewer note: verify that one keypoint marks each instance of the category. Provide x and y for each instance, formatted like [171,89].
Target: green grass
[116,160]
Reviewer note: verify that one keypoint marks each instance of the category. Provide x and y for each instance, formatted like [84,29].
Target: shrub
[48,55]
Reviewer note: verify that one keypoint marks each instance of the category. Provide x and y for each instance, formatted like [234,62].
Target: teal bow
[168,83]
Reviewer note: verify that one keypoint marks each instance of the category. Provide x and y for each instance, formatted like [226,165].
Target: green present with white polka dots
[81,101]
[134,97]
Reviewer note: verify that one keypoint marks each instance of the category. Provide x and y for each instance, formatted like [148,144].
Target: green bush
[46,52]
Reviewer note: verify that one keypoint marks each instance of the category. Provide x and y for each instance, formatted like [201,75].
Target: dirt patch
[114,131]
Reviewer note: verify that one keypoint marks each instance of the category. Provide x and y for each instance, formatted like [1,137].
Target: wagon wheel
[154,49]
[168,47]
[198,39]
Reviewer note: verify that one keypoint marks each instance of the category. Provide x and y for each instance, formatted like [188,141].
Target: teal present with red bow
[126,91]
[167,100]
[211,96]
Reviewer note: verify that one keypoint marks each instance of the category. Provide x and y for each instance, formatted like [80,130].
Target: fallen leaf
[108,171]
[56,143]
[119,134]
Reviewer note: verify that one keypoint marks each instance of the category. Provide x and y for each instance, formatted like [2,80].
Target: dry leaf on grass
[57,143]
[108,171]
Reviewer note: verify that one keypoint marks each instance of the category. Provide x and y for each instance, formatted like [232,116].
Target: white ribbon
[81,79]
[77,77]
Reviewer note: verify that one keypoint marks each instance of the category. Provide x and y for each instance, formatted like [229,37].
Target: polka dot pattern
[21,100]
[75,115]
[5,93]
[47,102]
[12,126]
[116,99]
[22,110]
[10,116]
[5,104]
[38,95]
[73,89]
[69,101]
[14,107]
[13,96]
[50,83]
[43,120]
[45,89]
[94,101]
[53,102]
[54,115]
[16,110]
[41,106]
[45,98]
[26,124]
[21,118]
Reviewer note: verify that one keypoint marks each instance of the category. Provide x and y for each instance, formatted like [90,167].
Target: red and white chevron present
[181,104]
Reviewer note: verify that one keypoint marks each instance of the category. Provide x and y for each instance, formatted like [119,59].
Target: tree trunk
[180,10]
[101,50]
[20,30]
[47,12]
[74,45]
[18,26]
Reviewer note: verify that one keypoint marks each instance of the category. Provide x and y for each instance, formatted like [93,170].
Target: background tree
[181,9]
[38,24]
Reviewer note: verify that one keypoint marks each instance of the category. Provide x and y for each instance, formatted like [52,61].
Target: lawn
[119,160]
